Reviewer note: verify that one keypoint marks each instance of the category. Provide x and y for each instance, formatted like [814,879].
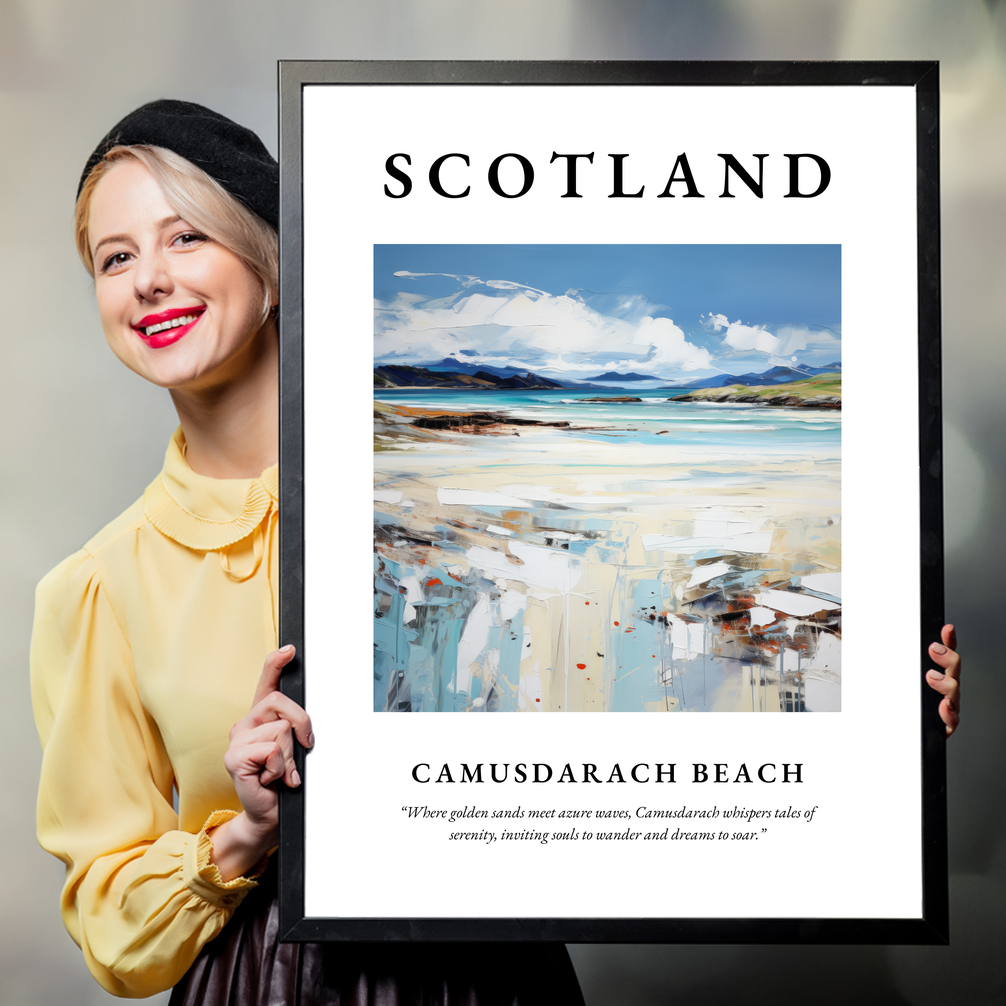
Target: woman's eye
[190,238]
[114,261]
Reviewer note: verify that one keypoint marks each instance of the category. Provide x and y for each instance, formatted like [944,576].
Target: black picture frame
[932,925]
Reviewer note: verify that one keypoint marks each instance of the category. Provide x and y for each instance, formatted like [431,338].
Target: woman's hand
[947,682]
[260,753]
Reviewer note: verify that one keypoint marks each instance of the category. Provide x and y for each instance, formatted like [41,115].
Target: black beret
[230,154]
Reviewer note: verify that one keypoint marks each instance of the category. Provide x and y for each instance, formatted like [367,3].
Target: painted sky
[671,312]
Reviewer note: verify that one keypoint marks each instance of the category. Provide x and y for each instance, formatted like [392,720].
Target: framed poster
[610,391]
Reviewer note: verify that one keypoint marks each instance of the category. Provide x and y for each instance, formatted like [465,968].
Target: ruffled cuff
[203,878]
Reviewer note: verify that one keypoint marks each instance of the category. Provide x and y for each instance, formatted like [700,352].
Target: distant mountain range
[777,375]
[451,365]
[612,376]
[421,377]
[450,373]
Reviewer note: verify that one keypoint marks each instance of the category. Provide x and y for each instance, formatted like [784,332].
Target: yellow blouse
[147,647]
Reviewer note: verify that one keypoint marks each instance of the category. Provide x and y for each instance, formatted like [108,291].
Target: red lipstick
[166,327]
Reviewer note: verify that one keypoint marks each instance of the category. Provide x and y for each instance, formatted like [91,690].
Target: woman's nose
[152,277]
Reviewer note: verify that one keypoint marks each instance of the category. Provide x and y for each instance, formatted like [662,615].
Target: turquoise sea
[765,431]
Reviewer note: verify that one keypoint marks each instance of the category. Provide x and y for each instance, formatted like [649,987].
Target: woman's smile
[167,327]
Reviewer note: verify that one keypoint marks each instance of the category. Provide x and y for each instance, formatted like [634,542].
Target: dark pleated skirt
[246,965]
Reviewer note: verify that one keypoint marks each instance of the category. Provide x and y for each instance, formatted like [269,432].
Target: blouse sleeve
[141,898]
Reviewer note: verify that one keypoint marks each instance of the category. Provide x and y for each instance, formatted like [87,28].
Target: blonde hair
[199,200]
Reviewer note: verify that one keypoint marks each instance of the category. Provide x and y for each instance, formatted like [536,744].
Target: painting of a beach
[607,478]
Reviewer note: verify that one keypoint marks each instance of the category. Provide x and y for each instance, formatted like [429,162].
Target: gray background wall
[81,436]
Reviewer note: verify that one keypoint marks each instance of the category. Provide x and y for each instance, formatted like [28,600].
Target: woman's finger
[950,716]
[273,766]
[277,706]
[279,732]
[260,760]
[947,681]
[949,688]
[949,660]
[271,671]
[945,685]
[949,636]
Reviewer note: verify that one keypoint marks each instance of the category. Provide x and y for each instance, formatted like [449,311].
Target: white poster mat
[859,855]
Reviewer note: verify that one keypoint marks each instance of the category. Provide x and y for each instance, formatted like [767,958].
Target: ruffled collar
[203,513]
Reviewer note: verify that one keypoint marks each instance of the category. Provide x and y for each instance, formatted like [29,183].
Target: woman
[148,643]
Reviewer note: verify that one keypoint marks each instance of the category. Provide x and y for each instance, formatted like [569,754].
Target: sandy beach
[589,567]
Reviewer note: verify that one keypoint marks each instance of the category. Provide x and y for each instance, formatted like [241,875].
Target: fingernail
[936,676]
[287,649]
[310,740]
[938,648]
[295,777]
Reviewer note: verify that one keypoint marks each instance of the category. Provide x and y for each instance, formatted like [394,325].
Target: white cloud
[743,337]
[793,338]
[668,345]
[779,342]
[501,323]
[751,337]
[526,327]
